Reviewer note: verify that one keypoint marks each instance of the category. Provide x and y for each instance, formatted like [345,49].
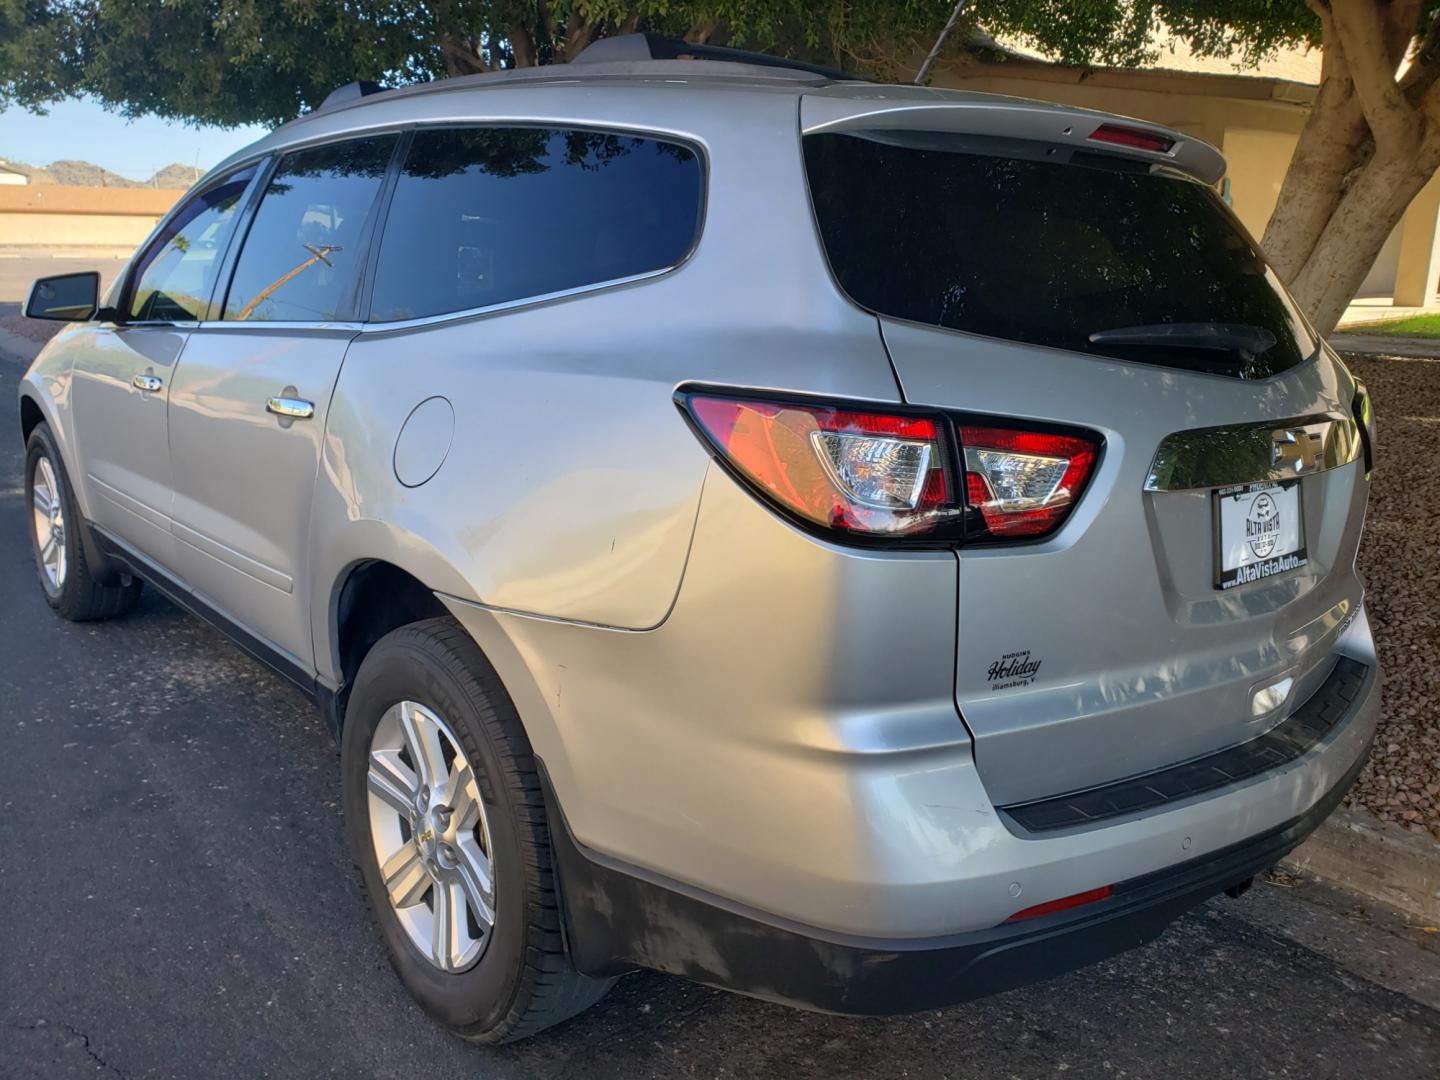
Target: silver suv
[860,546]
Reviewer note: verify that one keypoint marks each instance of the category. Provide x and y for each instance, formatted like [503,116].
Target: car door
[125,367]
[248,404]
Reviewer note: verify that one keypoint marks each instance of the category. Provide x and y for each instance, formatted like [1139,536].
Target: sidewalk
[1373,309]
[1418,348]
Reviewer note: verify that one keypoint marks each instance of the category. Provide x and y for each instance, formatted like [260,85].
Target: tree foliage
[237,61]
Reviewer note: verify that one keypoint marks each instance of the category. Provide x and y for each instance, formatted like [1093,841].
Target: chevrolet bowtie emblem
[1302,449]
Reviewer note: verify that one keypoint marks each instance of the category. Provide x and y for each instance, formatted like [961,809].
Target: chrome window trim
[1253,453]
[523,302]
[289,326]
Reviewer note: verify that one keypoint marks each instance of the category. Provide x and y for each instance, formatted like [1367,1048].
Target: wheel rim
[431,837]
[48,515]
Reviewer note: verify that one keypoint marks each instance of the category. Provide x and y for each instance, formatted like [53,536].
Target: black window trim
[367,327]
[262,165]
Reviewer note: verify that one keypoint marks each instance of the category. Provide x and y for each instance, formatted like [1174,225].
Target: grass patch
[1413,326]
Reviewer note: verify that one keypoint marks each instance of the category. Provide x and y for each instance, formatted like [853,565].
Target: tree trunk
[1324,156]
[1367,148]
[1351,241]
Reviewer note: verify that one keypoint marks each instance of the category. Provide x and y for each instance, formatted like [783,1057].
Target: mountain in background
[87,174]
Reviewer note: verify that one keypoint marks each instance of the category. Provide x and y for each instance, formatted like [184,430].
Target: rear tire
[523,980]
[56,526]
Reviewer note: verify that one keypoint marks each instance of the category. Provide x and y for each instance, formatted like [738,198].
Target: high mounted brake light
[891,476]
[1134,138]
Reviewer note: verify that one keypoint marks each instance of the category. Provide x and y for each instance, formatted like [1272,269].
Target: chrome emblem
[1302,450]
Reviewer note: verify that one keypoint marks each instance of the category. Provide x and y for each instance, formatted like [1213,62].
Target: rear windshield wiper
[1247,341]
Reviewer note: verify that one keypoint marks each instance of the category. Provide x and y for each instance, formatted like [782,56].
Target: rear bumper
[618,917]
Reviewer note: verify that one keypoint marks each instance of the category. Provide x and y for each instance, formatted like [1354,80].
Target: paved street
[19,269]
[176,900]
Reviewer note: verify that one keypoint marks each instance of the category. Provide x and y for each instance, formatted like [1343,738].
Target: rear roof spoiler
[905,108]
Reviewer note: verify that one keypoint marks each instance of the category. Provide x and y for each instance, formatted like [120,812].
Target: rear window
[1050,246]
[486,216]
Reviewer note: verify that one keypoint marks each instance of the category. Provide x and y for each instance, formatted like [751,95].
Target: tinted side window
[174,278]
[302,259]
[482,216]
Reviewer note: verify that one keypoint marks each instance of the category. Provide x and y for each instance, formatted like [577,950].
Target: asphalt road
[19,269]
[176,900]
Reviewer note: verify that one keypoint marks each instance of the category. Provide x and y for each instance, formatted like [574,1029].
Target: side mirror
[65,297]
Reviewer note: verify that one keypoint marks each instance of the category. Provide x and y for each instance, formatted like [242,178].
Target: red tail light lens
[863,472]
[1134,138]
[1024,482]
[892,476]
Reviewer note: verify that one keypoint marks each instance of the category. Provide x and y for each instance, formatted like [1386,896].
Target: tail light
[860,472]
[1365,418]
[1024,482]
[895,476]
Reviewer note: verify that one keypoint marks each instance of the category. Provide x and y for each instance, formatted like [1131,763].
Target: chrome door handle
[292,407]
[148,383]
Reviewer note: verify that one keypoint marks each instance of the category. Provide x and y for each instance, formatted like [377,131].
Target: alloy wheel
[48,518]
[431,837]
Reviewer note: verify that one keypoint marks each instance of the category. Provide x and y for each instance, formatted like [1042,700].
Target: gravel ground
[1398,558]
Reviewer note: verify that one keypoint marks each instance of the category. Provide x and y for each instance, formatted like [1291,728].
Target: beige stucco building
[58,216]
[1254,117]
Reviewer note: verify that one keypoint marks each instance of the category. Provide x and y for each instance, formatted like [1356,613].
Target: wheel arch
[370,598]
[32,415]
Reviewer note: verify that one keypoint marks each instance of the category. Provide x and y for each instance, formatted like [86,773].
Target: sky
[82,130]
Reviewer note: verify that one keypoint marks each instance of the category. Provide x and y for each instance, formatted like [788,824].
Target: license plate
[1259,532]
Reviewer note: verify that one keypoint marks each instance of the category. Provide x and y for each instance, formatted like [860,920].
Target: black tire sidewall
[405,667]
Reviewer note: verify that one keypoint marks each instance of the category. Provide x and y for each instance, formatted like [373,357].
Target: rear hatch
[1058,267]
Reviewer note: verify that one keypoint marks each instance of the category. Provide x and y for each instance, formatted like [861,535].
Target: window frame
[377,238]
[138,263]
[348,314]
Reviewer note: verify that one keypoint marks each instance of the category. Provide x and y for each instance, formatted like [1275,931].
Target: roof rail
[650,46]
[351,92]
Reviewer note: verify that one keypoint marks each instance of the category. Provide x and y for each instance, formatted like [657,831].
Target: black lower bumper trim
[1285,742]
[617,920]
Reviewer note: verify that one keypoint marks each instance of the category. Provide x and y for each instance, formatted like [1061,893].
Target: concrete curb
[1380,861]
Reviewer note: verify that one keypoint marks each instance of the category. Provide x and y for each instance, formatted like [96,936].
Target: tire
[69,585]
[523,980]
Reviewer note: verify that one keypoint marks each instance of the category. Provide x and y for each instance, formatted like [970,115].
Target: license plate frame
[1259,532]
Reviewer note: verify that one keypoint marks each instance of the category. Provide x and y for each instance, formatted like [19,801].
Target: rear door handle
[148,383]
[292,407]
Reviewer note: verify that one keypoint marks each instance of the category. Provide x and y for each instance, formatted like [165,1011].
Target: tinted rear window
[484,216]
[1044,245]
